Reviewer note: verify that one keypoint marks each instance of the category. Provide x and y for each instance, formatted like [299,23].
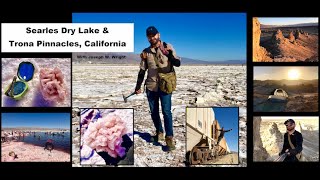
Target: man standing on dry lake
[159,59]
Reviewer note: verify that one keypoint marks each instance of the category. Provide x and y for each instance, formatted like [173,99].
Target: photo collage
[205,90]
[285,89]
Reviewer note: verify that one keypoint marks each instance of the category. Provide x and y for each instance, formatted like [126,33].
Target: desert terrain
[303,96]
[272,132]
[285,43]
[28,144]
[227,159]
[103,86]
[31,153]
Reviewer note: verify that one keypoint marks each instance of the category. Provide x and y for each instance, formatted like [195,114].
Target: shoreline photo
[35,137]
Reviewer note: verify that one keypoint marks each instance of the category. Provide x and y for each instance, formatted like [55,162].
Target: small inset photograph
[106,137]
[285,89]
[36,82]
[35,137]
[212,136]
[76,137]
[285,39]
[286,139]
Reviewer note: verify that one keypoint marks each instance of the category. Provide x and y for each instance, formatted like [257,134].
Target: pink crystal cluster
[105,134]
[52,85]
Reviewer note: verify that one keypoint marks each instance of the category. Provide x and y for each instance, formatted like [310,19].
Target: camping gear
[18,88]
[126,97]
[279,95]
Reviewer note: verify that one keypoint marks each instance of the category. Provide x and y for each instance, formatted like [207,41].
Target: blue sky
[202,36]
[286,21]
[43,120]
[229,119]
[282,72]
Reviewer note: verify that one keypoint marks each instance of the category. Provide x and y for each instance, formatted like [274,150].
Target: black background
[61,12]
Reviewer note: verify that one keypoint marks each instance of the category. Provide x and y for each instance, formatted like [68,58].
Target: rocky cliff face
[260,54]
[273,140]
[256,32]
[259,152]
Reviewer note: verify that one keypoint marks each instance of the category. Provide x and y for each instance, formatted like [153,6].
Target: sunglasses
[288,125]
[151,35]
[18,88]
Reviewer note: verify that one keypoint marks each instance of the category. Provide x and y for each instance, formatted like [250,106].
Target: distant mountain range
[289,82]
[131,58]
[263,26]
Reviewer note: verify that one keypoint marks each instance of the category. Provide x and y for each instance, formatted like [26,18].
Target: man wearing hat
[159,56]
[292,144]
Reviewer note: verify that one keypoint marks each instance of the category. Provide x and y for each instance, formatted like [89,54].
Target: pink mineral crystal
[105,134]
[52,85]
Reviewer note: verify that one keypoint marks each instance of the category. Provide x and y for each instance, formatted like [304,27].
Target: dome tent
[278,95]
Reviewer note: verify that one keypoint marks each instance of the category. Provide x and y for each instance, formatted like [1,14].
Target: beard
[154,41]
[290,129]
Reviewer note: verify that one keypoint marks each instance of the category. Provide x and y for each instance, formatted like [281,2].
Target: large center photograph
[180,61]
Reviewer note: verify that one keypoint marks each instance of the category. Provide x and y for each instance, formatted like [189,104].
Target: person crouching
[49,145]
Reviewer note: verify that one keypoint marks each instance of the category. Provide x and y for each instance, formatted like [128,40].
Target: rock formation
[277,37]
[260,54]
[275,42]
[291,37]
[259,152]
[297,34]
[256,38]
[273,140]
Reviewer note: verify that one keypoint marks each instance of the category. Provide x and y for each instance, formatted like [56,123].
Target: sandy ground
[30,153]
[228,159]
[102,86]
[303,97]
[34,98]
